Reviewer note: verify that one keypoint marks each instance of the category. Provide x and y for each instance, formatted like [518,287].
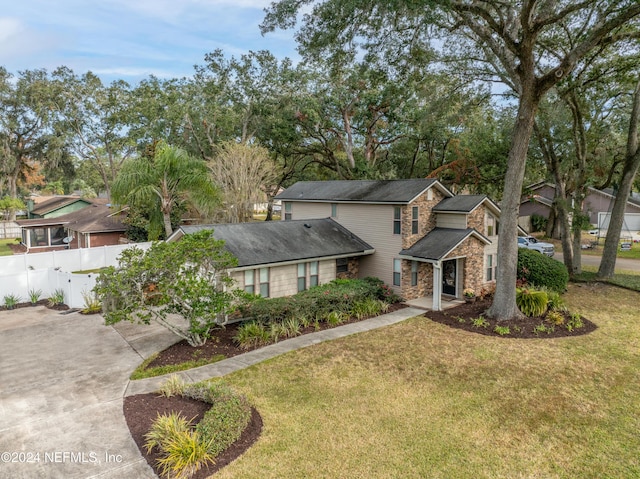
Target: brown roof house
[93,225]
[415,235]
[597,204]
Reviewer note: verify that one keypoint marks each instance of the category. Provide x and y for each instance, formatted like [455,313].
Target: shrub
[555,301]
[56,298]
[336,317]
[34,295]
[541,328]
[542,271]
[252,334]
[502,330]
[229,415]
[538,222]
[183,455]
[339,295]
[366,307]
[91,303]
[480,322]
[531,302]
[182,451]
[163,427]
[555,318]
[173,386]
[11,300]
[575,322]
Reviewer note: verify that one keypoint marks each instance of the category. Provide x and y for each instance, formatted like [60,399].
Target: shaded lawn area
[420,399]
[4,246]
[626,279]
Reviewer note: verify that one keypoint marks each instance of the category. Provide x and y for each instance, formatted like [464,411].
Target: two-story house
[427,241]
[415,235]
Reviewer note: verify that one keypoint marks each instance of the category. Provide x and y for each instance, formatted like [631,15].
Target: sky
[132,39]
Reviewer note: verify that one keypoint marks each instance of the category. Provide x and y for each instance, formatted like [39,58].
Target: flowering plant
[469,293]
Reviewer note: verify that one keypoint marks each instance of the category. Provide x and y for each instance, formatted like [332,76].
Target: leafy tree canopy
[182,285]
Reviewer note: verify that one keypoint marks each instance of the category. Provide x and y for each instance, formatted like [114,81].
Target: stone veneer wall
[425,280]
[426,217]
[477,218]
[352,273]
[473,265]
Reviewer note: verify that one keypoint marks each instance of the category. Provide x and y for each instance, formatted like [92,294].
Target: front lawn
[4,246]
[420,399]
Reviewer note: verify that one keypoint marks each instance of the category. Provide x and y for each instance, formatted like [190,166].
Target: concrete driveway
[62,381]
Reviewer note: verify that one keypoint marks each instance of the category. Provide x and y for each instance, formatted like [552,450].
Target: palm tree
[171,176]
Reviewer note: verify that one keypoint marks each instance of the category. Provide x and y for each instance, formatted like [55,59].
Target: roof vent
[307,225]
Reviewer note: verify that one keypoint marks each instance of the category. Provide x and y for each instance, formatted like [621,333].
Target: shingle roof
[56,203]
[269,242]
[363,191]
[460,203]
[436,244]
[92,219]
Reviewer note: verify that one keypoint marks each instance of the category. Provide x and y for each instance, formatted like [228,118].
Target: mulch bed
[222,343]
[141,410]
[41,302]
[460,317]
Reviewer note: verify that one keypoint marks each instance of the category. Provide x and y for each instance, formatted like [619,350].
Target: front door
[449,277]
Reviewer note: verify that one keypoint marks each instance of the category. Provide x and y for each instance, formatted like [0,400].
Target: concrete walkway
[63,378]
[227,366]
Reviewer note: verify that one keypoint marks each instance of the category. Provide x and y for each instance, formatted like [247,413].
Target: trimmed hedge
[229,415]
[539,270]
[317,302]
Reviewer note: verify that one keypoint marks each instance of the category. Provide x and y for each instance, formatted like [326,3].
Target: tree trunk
[631,164]
[504,302]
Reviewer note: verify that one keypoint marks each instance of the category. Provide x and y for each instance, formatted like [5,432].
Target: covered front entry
[449,277]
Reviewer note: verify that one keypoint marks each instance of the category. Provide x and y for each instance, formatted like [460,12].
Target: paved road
[621,263]
[62,381]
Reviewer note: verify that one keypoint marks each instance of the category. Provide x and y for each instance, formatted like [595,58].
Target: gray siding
[449,220]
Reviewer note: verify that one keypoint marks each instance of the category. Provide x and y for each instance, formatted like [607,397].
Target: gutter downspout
[437,286]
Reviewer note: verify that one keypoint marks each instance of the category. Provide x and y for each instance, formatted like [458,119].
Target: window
[302,276]
[313,273]
[342,265]
[414,220]
[414,273]
[492,225]
[249,281]
[287,211]
[334,210]
[492,265]
[397,220]
[264,282]
[397,267]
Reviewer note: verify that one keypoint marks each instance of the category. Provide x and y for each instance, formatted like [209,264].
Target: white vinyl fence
[10,230]
[48,272]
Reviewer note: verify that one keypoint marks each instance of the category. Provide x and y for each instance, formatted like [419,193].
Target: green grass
[625,279]
[142,371]
[4,246]
[419,399]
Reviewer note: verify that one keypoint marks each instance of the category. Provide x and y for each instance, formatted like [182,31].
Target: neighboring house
[52,207]
[280,259]
[597,204]
[92,226]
